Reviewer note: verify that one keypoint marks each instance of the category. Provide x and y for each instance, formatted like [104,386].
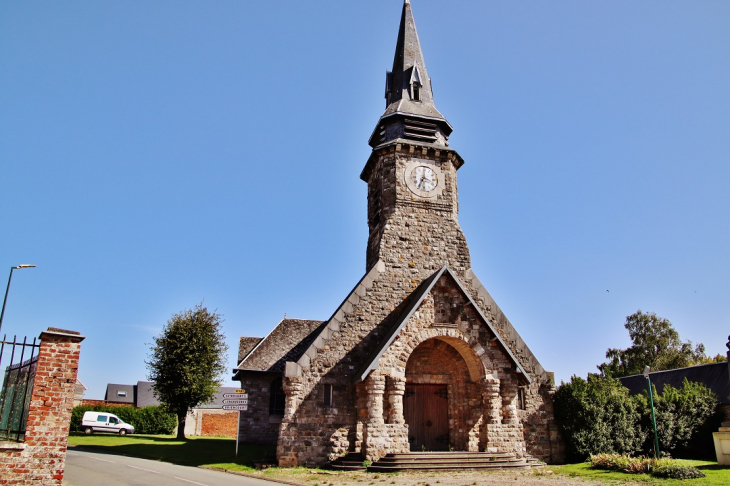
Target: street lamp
[2,314]
[653,415]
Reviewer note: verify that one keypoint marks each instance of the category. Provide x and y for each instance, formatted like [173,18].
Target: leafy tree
[718,358]
[655,343]
[597,416]
[187,361]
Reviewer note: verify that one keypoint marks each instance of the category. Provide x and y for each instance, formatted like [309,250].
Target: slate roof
[115,390]
[714,376]
[145,395]
[408,62]
[286,342]
[412,303]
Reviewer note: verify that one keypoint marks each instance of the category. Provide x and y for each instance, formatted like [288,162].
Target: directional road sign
[235,407]
[235,395]
[235,402]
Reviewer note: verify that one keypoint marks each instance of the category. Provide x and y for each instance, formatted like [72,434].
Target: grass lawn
[716,475]
[196,451]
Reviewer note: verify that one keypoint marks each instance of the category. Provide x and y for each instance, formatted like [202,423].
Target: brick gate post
[49,415]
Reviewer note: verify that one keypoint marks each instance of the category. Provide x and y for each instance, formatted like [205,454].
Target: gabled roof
[286,342]
[714,376]
[119,393]
[145,394]
[412,303]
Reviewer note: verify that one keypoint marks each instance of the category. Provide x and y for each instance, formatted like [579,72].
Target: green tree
[655,343]
[187,361]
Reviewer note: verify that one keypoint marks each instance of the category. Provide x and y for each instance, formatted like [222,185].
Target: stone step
[435,461]
[449,455]
[350,462]
[445,467]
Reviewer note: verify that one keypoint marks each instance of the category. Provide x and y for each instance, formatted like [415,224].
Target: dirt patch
[537,477]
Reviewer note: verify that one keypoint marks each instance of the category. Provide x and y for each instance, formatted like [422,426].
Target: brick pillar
[41,458]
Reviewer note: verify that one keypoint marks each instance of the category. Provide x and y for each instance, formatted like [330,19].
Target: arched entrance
[442,399]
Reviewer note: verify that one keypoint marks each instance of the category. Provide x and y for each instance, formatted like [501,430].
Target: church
[418,357]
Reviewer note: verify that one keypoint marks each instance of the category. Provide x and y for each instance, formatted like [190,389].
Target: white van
[104,422]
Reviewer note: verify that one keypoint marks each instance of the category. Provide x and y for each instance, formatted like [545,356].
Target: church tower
[411,175]
[418,356]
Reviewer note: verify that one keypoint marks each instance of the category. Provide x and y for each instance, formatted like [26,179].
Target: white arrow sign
[235,402]
[235,395]
[235,407]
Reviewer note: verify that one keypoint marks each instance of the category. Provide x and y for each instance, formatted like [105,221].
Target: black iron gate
[18,359]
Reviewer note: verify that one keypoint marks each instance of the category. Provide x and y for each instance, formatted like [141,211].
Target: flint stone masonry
[41,458]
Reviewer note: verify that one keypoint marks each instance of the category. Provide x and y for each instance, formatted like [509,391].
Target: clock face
[424,178]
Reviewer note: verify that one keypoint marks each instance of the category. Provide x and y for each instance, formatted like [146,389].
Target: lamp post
[5,301]
[653,415]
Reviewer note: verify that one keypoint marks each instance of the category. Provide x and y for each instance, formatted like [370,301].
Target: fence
[19,361]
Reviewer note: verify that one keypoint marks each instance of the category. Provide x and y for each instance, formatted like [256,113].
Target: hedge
[146,420]
[598,416]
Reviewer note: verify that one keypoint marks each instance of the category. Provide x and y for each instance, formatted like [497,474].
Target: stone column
[396,390]
[509,402]
[286,452]
[375,434]
[491,401]
[491,413]
[722,437]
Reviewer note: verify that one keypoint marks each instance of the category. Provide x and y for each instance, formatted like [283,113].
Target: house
[206,420]
[418,356]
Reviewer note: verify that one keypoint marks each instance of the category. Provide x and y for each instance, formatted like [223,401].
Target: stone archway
[442,398]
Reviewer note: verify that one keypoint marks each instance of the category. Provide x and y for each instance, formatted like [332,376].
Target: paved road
[85,468]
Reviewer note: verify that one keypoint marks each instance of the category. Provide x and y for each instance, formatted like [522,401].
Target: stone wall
[41,458]
[257,426]
[411,238]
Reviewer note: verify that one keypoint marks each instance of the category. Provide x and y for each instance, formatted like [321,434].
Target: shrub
[682,414]
[597,416]
[146,420]
[662,468]
[677,471]
[618,462]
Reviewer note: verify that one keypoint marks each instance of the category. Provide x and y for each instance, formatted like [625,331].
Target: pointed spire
[408,91]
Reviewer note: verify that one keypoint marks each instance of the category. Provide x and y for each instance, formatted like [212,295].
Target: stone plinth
[722,444]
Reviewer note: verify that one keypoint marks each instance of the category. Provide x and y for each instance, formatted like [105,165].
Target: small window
[102,418]
[121,394]
[328,396]
[416,92]
[277,399]
[112,420]
[521,398]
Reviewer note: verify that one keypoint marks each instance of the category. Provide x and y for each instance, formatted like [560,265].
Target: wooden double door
[426,411]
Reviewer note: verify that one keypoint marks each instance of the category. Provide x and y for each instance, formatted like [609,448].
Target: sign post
[236,401]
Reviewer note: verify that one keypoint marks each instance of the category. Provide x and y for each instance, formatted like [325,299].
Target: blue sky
[156,155]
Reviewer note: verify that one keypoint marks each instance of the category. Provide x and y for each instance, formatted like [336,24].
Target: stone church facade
[418,356]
